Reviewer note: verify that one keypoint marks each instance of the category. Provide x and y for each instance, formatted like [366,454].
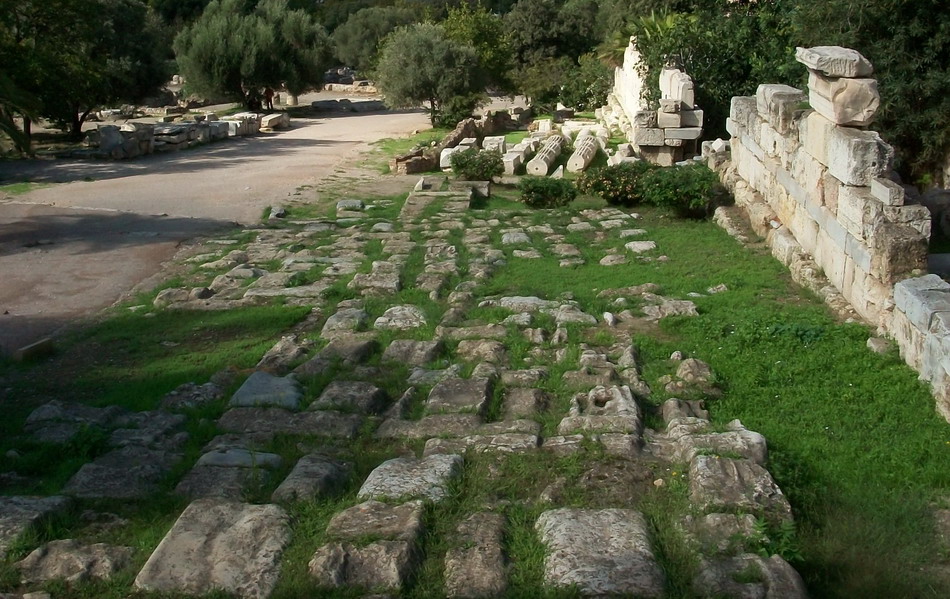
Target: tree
[418,64]
[46,45]
[485,32]
[357,41]
[231,50]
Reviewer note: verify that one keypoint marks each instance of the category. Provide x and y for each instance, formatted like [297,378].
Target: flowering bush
[617,184]
[543,192]
[475,165]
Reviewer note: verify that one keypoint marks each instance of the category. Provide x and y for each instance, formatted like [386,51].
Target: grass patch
[16,189]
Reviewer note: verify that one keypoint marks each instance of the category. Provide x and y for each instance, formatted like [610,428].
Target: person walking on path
[268,98]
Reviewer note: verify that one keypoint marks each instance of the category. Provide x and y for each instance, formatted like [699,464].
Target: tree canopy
[357,41]
[230,50]
[72,56]
[485,33]
[420,64]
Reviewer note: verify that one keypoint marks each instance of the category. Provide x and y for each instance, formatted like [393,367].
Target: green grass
[16,189]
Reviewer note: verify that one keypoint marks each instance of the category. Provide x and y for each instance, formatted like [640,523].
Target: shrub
[475,165]
[544,192]
[691,191]
[618,185]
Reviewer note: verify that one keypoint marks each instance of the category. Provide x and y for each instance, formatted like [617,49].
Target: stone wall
[815,182]
[131,140]
[663,136]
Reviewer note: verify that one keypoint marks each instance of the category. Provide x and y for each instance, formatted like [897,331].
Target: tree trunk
[75,130]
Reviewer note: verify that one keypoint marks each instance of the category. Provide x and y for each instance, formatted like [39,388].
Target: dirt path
[69,250]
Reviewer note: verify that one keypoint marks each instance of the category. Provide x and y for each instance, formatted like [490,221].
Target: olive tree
[419,64]
[357,41]
[228,50]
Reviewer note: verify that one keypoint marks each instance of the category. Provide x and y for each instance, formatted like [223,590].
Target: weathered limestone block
[546,156]
[277,120]
[856,157]
[645,119]
[456,395]
[488,443]
[896,252]
[374,519]
[512,162]
[427,478]
[445,157]
[314,475]
[777,105]
[226,545]
[585,149]
[849,102]
[476,567]
[263,389]
[919,299]
[124,473]
[400,318]
[677,85]
[688,437]
[18,514]
[887,192]
[71,561]
[412,352]
[775,578]
[603,409]
[278,420]
[727,484]
[600,552]
[351,396]
[495,144]
[379,565]
[648,136]
[666,120]
[834,61]
[743,110]
[683,133]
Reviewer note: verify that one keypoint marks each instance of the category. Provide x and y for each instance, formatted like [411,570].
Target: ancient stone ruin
[131,140]
[817,184]
[666,135]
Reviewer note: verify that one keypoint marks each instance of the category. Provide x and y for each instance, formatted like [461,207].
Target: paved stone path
[439,246]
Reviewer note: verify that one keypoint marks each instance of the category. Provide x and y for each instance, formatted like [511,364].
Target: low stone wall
[131,140]
[816,184]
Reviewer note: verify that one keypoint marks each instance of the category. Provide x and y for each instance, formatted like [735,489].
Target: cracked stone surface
[427,478]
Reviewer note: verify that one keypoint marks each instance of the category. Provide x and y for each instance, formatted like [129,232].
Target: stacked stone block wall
[814,181]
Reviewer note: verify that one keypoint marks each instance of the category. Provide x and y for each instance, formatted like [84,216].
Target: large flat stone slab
[278,420]
[405,478]
[215,544]
[600,552]
[18,514]
[412,352]
[476,566]
[455,395]
[262,389]
[72,561]
[351,396]
[313,476]
[729,485]
[380,565]
[374,519]
[126,473]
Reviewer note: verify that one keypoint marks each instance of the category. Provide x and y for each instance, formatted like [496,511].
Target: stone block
[692,118]
[477,568]
[427,478]
[890,193]
[645,118]
[683,133]
[920,298]
[834,61]
[777,104]
[736,485]
[849,102]
[643,136]
[743,111]
[669,119]
[445,157]
[814,133]
[670,106]
[897,251]
[220,545]
[600,552]
[495,144]
[914,215]
[857,210]
[512,162]
[856,157]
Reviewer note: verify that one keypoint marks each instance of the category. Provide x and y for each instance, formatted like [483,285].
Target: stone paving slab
[126,473]
[427,478]
[278,420]
[600,552]
[477,566]
[262,389]
[19,513]
[215,544]
[72,561]
[313,476]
